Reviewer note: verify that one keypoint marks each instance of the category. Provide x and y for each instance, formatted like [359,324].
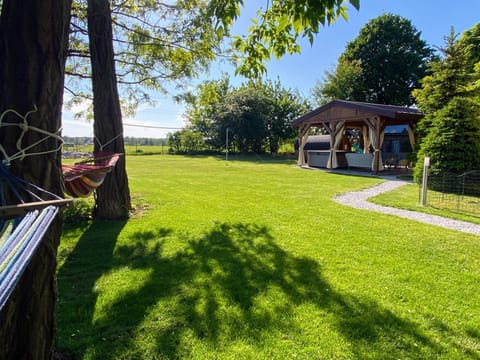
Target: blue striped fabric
[18,245]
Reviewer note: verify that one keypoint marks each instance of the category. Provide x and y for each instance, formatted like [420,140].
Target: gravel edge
[359,200]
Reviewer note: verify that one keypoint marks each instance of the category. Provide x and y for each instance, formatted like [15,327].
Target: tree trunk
[113,197]
[33,43]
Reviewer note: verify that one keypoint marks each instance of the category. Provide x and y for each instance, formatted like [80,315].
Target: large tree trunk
[33,43]
[113,197]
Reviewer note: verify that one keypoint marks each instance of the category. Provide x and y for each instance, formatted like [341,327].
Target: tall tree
[33,46]
[450,98]
[155,43]
[202,105]
[113,197]
[341,83]
[392,59]
[286,105]
[257,112]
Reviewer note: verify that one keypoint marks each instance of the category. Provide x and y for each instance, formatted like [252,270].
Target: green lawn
[251,259]
[407,197]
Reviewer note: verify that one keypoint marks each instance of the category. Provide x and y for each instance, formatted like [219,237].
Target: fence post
[426,165]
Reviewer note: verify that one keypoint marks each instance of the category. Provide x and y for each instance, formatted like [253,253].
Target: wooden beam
[10,211]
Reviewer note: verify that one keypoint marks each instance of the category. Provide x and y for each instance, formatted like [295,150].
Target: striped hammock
[19,239]
[25,216]
[83,178]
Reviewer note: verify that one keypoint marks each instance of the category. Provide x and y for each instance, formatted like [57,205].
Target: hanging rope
[18,196]
[108,142]
[25,127]
[26,210]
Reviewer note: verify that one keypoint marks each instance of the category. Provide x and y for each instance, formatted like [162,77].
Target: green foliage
[186,141]
[159,42]
[452,139]
[341,84]
[277,28]
[382,65]
[450,97]
[469,42]
[244,113]
[154,42]
[448,79]
[258,114]
[202,104]
[79,211]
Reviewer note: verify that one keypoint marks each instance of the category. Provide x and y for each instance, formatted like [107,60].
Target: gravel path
[358,199]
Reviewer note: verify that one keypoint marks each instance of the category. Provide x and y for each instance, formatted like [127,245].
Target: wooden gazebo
[370,119]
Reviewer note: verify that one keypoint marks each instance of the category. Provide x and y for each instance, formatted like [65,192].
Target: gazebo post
[302,140]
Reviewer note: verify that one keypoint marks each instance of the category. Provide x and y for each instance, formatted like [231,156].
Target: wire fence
[455,192]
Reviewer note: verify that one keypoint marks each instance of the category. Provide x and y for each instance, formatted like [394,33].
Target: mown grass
[407,197]
[251,259]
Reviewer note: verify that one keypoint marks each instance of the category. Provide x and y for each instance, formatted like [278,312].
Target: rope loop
[25,127]
[108,142]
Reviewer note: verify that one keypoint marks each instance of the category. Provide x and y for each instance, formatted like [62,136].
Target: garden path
[359,200]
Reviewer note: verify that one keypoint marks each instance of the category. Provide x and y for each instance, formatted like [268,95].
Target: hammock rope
[25,127]
[22,226]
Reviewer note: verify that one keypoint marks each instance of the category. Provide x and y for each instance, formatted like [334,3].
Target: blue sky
[301,72]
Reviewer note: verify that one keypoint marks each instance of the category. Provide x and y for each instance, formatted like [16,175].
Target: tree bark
[113,197]
[33,43]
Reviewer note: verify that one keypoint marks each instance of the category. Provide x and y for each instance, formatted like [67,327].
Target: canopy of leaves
[450,97]
[157,43]
[257,114]
[382,65]
[340,84]
[469,42]
[452,140]
[276,29]
[154,42]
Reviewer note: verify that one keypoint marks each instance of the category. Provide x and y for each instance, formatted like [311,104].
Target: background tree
[33,48]
[259,112]
[244,112]
[341,84]
[286,105]
[201,106]
[450,98]
[382,65]
[186,141]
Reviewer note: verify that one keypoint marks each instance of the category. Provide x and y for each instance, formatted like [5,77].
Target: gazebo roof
[354,112]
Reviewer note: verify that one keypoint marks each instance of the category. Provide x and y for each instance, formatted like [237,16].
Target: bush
[79,211]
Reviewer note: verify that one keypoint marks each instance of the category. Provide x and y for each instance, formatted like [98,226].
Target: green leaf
[355,4]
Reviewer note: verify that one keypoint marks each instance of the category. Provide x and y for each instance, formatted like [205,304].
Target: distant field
[129,149]
[251,259]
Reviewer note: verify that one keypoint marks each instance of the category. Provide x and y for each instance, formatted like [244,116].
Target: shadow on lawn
[88,261]
[210,291]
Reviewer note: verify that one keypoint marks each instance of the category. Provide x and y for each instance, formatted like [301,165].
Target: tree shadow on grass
[232,284]
[77,295]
